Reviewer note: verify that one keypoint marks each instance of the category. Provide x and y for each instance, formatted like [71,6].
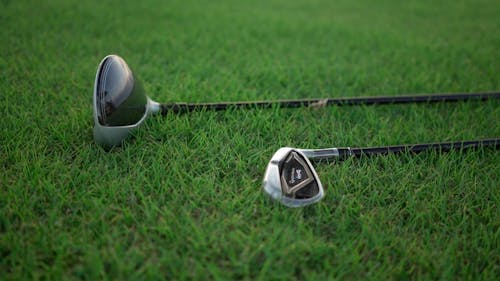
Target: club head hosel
[318,154]
[154,107]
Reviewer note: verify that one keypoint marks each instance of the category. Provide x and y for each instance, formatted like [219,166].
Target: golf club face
[120,103]
[291,179]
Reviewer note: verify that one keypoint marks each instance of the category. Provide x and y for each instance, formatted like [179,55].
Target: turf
[183,199]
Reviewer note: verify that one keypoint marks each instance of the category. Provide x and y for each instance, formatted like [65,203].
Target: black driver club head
[120,102]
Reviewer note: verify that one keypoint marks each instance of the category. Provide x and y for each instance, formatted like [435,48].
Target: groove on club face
[291,179]
[120,98]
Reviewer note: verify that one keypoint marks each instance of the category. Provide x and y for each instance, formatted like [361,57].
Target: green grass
[183,199]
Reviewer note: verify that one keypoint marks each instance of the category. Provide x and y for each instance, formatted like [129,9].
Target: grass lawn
[183,199]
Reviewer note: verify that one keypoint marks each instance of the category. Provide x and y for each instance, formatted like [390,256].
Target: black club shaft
[417,148]
[380,100]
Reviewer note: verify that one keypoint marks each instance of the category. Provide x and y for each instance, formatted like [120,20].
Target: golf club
[121,105]
[290,177]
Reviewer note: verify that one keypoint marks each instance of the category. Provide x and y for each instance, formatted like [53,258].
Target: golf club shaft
[345,152]
[347,101]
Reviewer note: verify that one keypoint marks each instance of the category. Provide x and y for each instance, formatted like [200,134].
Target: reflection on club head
[291,179]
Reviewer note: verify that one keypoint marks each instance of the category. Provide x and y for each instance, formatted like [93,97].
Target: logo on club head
[295,173]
